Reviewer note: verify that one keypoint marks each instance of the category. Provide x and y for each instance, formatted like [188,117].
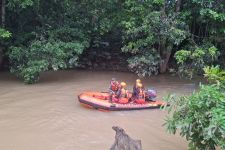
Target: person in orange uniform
[122,93]
[135,87]
[141,91]
[113,89]
[140,98]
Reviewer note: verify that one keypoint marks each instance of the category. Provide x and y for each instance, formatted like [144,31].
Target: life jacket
[123,100]
[141,93]
[114,85]
[123,93]
[135,90]
[123,97]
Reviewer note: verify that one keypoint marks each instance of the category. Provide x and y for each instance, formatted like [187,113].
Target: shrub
[41,56]
[192,61]
[200,117]
[144,65]
[4,33]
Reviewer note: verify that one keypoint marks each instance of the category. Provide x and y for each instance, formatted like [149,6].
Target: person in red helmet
[113,89]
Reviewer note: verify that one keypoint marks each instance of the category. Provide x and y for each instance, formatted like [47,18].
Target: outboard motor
[150,94]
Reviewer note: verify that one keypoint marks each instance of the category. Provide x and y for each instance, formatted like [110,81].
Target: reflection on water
[47,115]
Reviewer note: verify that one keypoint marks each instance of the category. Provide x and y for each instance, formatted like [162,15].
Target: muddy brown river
[48,116]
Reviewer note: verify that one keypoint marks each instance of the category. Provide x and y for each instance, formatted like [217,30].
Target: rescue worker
[113,89]
[122,93]
[135,87]
[140,91]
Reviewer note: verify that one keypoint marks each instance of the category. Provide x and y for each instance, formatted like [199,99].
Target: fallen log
[124,141]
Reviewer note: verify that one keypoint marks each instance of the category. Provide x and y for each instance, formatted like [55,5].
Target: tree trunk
[165,49]
[2,2]
[178,5]
[163,10]
[165,56]
[1,12]
[2,24]
[124,141]
[1,58]
[164,63]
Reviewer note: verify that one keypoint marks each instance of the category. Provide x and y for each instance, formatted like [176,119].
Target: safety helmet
[138,81]
[139,85]
[123,84]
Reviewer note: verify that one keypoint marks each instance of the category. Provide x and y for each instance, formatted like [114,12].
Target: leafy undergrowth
[200,118]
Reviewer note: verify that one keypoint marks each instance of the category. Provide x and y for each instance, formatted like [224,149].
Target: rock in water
[123,141]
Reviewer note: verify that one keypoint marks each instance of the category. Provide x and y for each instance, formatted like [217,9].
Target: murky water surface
[48,116]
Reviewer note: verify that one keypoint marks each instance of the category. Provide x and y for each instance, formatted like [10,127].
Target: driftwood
[123,141]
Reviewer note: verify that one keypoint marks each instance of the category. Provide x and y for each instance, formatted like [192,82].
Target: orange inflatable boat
[99,100]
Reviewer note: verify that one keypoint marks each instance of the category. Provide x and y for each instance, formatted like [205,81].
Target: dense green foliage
[152,30]
[214,74]
[147,32]
[192,61]
[200,117]
[144,65]
[4,33]
[40,56]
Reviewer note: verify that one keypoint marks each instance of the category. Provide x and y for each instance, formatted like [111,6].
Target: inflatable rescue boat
[100,100]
